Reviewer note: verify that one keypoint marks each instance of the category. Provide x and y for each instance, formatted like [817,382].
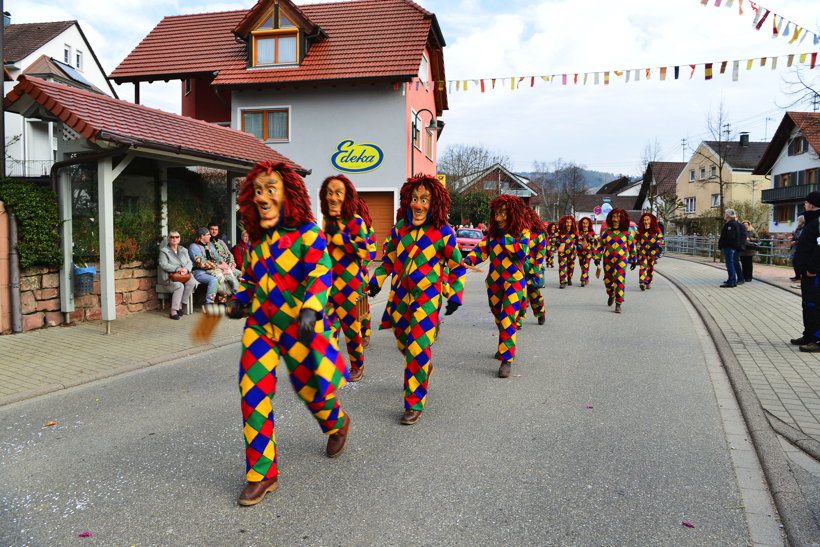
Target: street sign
[597,210]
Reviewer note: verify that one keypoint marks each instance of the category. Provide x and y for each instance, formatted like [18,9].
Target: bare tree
[651,154]
[719,128]
[561,183]
[461,160]
[802,91]
[666,206]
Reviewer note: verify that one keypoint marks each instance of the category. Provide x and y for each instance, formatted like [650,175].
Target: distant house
[496,180]
[660,180]
[56,52]
[791,163]
[338,87]
[698,184]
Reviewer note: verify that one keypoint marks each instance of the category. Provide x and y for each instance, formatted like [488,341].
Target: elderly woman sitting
[173,260]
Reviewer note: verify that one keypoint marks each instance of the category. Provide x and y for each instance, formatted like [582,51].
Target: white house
[54,51]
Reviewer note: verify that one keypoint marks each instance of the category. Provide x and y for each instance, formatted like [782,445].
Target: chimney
[6,19]
[744,138]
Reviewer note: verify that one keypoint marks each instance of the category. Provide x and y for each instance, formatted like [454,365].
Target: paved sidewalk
[758,319]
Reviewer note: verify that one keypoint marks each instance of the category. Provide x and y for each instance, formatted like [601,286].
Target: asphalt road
[608,433]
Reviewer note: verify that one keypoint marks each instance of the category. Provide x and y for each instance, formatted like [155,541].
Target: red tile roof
[22,39]
[809,125]
[366,39]
[99,117]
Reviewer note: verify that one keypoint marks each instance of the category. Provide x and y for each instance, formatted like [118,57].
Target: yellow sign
[442,179]
[356,158]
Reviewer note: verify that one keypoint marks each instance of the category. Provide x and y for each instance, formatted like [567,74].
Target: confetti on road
[688,524]
[49,424]
[590,407]
[85,535]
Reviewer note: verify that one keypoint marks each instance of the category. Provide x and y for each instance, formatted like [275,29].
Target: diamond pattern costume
[417,258]
[537,252]
[649,243]
[551,246]
[587,242]
[566,257]
[508,257]
[348,248]
[371,251]
[616,249]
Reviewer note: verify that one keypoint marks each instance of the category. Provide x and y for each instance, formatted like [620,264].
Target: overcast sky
[606,128]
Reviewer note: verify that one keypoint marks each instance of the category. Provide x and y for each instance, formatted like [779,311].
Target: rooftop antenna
[683,149]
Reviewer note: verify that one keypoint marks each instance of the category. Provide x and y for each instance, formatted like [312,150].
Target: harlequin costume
[416,254]
[364,212]
[535,279]
[649,243]
[551,244]
[616,248]
[348,247]
[567,247]
[284,290]
[587,243]
[508,251]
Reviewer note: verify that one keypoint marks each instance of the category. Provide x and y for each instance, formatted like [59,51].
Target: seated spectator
[222,250]
[173,258]
[241,248]
[209,269]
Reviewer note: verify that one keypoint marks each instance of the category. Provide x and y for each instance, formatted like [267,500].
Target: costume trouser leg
[315,375]
[615,278]
[550,259]
[415,342]
[647,271]
[810,295]
[536,300]
[366,323]
[505,305]
[344,310]
[563,268]
[583,263]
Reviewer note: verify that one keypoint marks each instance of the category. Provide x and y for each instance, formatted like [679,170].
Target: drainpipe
[14,275]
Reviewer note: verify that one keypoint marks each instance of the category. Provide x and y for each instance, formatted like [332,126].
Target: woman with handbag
[747,254]
[175,270]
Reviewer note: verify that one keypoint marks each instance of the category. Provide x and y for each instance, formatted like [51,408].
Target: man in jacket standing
[807,266]
[730,242]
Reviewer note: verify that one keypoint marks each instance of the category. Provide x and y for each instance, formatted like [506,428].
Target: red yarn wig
[551,228]
[351,197]
[516,215]
[562,225]
[535,225]
[623,217]
[364,211]
[591,225]
[439,200]
[296,210]
[654,228]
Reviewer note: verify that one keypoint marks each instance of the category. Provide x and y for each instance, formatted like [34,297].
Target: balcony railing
[29,168]
[788,193]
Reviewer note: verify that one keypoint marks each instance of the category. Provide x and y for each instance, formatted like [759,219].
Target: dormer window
[275,41]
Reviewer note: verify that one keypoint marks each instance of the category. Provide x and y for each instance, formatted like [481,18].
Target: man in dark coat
[730,242]
[807,266]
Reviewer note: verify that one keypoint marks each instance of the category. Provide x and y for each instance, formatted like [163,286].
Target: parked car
[468,238]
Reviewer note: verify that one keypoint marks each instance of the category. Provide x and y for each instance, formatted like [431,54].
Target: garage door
[383,213]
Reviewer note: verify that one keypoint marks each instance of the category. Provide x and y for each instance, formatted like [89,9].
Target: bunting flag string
[608,77]
[761,13]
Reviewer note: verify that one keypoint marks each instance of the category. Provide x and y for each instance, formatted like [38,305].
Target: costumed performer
[535,279]
[508,250]
[588,242]
[364,212]
[567,243]
[649,244]
[284,291]
[416,254]
[348,248]
[616,248]
[552,245]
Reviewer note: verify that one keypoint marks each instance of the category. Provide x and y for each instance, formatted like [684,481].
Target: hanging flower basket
[84,279]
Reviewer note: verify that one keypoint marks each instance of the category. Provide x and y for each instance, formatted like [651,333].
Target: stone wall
[134,287]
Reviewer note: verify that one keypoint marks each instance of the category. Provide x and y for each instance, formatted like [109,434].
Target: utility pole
[683,149]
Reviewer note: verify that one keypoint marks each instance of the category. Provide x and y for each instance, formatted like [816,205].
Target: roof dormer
[277,32]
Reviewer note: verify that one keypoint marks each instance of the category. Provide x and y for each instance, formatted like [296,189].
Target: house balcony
[29,168]
[788,193]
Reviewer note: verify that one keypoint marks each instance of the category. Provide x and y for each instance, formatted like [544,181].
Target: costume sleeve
[247,281]
[630,245]
[352,238]
[479,253]
[600,248]
[316,267]
[457,273]
[660,241]
[386,268]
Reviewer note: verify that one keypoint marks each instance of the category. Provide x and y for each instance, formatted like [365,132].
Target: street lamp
[415,132]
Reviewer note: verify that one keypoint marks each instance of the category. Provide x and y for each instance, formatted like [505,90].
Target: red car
[468,238]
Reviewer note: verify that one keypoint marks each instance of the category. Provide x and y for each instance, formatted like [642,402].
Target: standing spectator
[801,220]
[173,258]
[729,242]
[807,265]
[748,252]
[738,266]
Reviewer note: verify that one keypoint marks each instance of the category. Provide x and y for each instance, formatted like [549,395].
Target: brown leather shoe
[365,341]
[254,492]
[610,300]
[410,416]
[337,442]
[542,320]
[811,347]
[504,369]
[643,287]
[356,374]
[618,307]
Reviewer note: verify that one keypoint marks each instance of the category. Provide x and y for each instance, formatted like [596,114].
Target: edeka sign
[356,158]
